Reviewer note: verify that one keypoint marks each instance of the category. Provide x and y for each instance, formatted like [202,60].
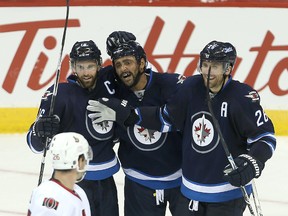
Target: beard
[130,79]
[87,82]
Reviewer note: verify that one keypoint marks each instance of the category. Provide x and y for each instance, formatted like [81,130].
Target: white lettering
[224,109]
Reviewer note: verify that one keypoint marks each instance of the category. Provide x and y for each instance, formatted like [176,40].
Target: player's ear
[73,67]
[228,70]
[142,64]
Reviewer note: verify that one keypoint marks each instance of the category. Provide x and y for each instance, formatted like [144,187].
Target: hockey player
[60,196]
[248,132]
[88,80]
[151,160]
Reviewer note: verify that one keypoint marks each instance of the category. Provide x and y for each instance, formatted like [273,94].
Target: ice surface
[19,171]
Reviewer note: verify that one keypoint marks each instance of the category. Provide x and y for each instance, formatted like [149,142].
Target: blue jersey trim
[157,185]
[214,197]
[102,174]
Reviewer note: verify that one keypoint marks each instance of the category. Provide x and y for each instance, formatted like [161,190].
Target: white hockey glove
[100,112]
[112,110]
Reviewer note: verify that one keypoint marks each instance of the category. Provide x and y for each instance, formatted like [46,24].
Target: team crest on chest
[101,131]
[146,139]
[204,138]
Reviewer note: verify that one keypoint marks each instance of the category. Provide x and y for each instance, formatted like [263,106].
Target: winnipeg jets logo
[253,95]
[101,131]
[146,139]
[103,125]
[202,131]
[147,134]
[204,139]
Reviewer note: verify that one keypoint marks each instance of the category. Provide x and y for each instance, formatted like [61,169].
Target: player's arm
[261,142]
[44,127]
[256,126]
[169,117]
[123,114]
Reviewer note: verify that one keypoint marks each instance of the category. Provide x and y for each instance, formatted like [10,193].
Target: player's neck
[141,83]
[67,179]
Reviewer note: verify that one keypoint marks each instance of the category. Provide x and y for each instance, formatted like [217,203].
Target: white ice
[19,170]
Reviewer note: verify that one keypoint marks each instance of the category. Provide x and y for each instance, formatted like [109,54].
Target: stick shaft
[224,144]
[55,89]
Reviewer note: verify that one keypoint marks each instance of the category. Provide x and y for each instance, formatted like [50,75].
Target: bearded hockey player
[151,160]
[88,80]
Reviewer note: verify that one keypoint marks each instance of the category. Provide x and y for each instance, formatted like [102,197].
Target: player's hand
[248,168]
[100,112]
[47,126]
[111,109]
[116,38]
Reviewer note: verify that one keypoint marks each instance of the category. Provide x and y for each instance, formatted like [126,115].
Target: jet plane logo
[147,134]
[146,139]
[254,96]
[202,131]
[204,138]
[101,131]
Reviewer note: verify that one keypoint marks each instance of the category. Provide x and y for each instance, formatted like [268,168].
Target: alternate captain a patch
[50,203]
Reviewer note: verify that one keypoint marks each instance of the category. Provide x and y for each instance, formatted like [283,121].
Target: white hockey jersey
[52,198]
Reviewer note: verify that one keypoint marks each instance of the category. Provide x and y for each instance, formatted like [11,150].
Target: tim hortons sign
[31,49]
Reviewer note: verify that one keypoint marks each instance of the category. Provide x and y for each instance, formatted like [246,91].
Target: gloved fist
[47,126]
[116,38]
[247,169]
[111,109]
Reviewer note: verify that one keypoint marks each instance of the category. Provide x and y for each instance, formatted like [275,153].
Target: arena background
[172,33]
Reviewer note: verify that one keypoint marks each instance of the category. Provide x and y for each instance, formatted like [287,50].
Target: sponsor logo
[37,82]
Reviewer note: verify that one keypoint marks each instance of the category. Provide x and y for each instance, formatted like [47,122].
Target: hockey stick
[256,199]
[55,89]
[225,147]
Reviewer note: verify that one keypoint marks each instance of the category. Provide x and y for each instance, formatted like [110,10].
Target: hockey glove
[116,38]
[248,168]
[47,126]
[112,110]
